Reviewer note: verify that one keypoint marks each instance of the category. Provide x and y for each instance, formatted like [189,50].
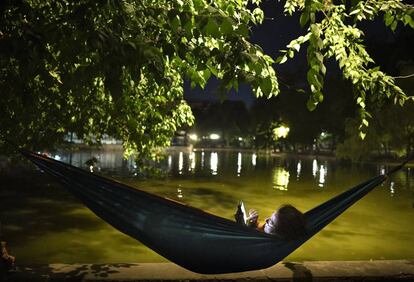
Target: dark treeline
[254,126]
[331,128]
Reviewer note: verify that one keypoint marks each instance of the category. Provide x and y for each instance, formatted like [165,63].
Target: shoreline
[381,270]
[4,160]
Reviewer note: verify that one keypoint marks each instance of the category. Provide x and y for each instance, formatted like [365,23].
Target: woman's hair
[290,222]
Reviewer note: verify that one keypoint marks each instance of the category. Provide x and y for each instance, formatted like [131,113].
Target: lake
[44,224]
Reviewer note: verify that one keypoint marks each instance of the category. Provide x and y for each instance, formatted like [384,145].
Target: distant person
[7,259]
[287,222]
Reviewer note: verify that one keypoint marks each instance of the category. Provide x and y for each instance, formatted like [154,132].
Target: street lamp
[193,137]
[281,132]
[214,136]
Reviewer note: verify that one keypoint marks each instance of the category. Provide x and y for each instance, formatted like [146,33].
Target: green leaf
[313,79]
[258,15]
[411,22]
[212,28]
[206,74]
[281,59]
[188,27]
[226,26]
[356,11]
[304,18]
[311,104]
[243,31]
[315,30]
[213,70]
[249,57]
[319,56]
[394,25]
[175,23]
[319,97]
[236,84]
[249,78]
[320,44]
[388,19]
[323,69]
[296,47]
[266,86]
[312,17]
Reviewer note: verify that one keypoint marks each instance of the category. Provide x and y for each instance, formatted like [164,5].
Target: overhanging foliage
[117,67]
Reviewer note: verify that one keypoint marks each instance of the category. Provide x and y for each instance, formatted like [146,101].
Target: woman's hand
[252,220]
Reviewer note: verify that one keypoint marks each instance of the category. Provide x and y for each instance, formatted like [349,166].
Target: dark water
[44,224]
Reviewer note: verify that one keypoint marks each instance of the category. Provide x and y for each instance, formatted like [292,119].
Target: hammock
[189,237]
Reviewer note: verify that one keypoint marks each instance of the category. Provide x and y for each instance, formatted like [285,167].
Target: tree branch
[404,76]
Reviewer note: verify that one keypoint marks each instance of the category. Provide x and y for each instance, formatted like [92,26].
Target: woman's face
[270,224]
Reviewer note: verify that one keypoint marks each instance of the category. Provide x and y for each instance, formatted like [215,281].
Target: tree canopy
[118,67]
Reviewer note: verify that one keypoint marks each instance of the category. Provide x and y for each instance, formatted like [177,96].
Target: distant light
[214,136]
[240,139]
[57,157]
[193,137]
[281,132]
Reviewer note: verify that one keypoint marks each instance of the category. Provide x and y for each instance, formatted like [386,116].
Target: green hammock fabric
[187,236]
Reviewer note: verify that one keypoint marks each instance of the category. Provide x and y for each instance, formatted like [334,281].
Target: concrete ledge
[384,270]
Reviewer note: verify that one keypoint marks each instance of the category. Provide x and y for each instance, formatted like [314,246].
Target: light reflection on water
[314,167]
[192,159]
[180,162]
[194,162]
[202,160]
[214,163]
[254,159]
[239,163]
[216,181]
[322,175]
[298,169]
[280,178]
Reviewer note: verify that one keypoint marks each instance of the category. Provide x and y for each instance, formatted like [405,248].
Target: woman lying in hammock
[287,222]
